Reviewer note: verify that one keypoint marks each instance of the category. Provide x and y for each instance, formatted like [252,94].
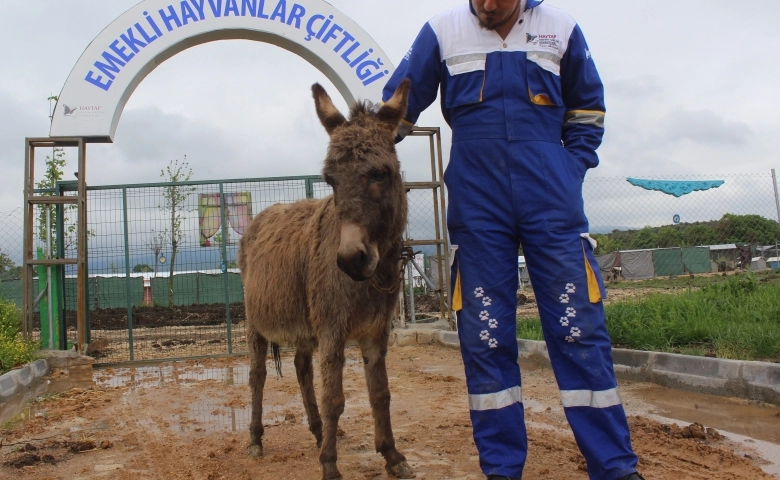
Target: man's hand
[372,107]
[403,129]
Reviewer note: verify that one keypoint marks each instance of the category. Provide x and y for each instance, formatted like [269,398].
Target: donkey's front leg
[332,367]
[374,352]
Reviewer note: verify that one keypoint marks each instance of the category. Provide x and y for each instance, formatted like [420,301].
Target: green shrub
[14,350]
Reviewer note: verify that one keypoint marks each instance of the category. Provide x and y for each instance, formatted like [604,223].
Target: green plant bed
[14,350]
[736,318]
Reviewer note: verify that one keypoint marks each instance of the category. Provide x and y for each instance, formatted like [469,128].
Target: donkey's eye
[378,176]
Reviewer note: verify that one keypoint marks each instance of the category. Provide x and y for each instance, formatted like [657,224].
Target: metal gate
[157,289]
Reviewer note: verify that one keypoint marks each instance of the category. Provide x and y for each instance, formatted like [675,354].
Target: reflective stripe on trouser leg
[486,329]
[479,221]
[580,350]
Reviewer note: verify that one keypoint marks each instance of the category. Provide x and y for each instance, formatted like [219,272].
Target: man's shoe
[501,477]
[633,476]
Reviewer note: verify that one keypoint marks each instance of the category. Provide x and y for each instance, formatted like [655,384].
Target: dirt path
[188,420]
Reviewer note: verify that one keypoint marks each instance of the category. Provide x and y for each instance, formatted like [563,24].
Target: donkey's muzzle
[356,256]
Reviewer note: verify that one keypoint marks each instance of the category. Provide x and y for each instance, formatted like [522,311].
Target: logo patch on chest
[543,40]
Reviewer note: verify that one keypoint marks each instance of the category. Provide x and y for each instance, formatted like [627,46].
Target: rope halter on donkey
[406,255]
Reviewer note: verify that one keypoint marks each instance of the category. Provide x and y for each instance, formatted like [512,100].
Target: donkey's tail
[277,358]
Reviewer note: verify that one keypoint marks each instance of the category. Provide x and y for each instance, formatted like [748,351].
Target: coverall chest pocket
[544,81]
[466,79]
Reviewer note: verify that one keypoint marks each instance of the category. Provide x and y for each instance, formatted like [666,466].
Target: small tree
[8,268]
[54,171]
[668,236]
[606,244]
[55,166]
[156,246]
[142,268]
[175,206]
[645,238]
[700,235]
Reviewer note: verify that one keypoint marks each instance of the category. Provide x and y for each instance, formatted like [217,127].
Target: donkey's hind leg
[305,373]
[374,351]
[258,351]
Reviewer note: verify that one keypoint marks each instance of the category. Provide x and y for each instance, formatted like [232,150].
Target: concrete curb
[22,379]
[25,379]
[759,381]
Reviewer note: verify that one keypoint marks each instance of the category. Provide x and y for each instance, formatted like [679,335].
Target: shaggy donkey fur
[317,273]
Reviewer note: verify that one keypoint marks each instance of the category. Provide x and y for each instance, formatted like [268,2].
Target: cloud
[631,89]
[20,120]
[705,127]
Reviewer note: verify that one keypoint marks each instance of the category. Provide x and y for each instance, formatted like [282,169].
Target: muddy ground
[188,420]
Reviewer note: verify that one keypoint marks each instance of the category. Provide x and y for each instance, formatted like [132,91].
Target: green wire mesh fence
[163,280]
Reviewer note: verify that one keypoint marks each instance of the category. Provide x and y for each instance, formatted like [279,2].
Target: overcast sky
[692,89]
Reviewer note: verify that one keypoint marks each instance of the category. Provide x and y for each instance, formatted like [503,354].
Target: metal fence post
[309,188]
[777,199]
[223,247]
[127,274]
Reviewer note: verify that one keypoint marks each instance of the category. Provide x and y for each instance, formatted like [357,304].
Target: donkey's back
[273,258]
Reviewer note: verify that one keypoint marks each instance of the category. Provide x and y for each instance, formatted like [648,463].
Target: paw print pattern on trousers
[493,343]
[484,335]
[487,301]
[493,323]
[484,315]
[479,292]
[571,313]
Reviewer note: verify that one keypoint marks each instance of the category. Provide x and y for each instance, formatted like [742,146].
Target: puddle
[756,427]
[159,375]
[757,421]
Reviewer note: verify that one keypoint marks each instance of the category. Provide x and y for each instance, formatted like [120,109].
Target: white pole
[777,199]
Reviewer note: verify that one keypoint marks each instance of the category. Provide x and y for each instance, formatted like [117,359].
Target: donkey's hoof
[330,472]
[400,470]
[255,450]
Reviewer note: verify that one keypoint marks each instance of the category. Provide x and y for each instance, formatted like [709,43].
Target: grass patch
[737,317]
[14,350]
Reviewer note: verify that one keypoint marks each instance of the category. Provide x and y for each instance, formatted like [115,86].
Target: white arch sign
[146,35]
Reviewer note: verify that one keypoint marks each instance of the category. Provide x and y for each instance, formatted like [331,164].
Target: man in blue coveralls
[521,92]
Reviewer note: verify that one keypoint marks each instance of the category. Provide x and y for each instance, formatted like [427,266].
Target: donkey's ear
[393,111]
[329,115]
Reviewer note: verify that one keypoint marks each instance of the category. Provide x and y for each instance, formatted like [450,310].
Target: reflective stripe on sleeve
[494,401]
[586,117]
[589,398]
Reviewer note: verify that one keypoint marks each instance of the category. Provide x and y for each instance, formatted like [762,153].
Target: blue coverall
[527,114]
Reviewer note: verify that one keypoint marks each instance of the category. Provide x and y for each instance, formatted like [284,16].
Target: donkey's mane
[358,109]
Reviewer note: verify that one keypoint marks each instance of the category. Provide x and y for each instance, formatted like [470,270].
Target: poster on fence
[238,213]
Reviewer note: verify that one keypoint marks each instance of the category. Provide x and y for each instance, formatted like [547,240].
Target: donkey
[318,273]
